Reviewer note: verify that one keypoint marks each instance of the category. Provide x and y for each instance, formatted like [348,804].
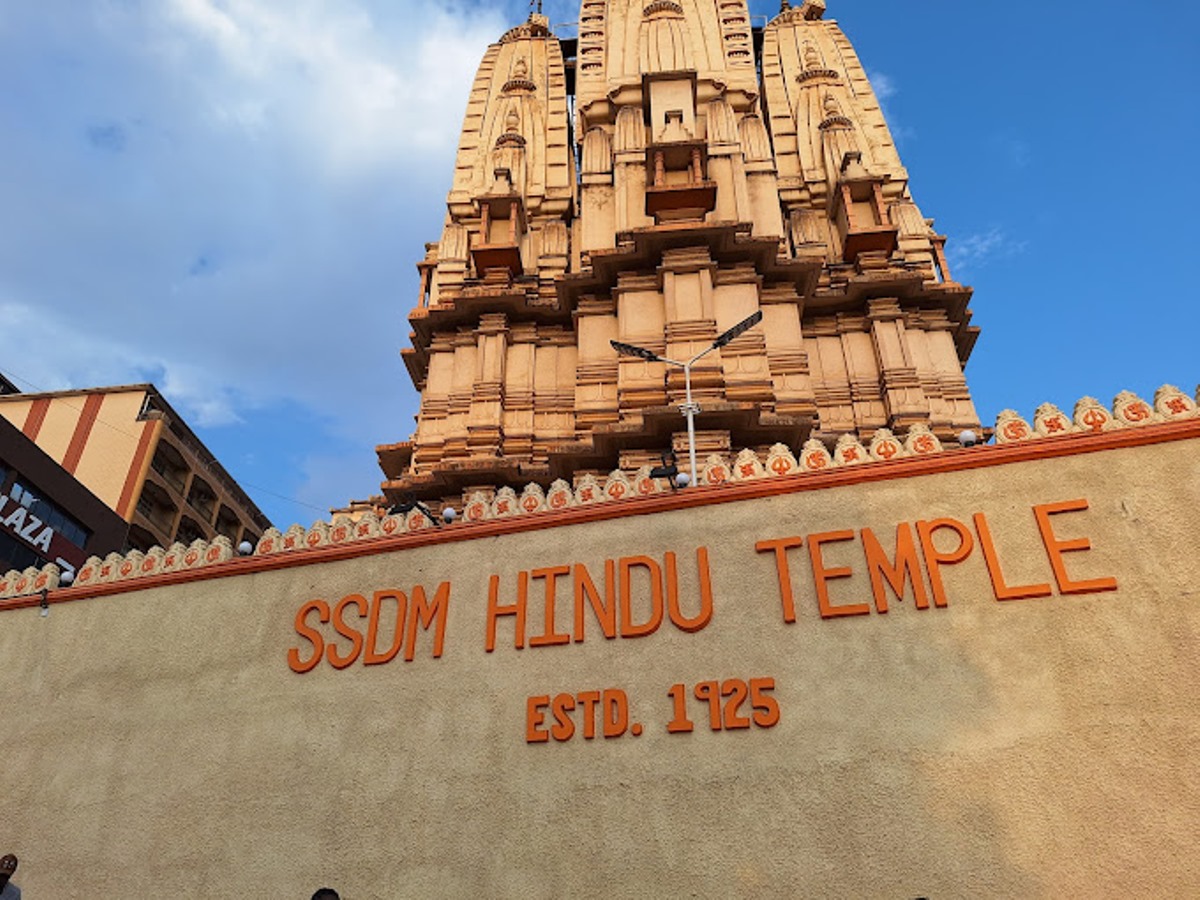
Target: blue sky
[227,197]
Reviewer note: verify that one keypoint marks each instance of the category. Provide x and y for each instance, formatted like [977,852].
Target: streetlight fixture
[688,408]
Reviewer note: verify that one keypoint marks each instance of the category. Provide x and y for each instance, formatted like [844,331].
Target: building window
[50,514]
[15,555]
[189,531]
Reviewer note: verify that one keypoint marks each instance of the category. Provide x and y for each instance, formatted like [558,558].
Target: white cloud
[974,251]
[883,85]
[885,88]
[228,198]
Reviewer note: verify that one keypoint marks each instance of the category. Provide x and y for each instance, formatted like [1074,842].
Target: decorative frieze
[813,458]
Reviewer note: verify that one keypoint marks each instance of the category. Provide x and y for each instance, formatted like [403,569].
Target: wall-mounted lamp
[670,471]
[409,503]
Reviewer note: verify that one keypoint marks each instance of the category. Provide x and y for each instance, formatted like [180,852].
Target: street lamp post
[688,407]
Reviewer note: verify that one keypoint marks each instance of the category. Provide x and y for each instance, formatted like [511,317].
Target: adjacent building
[126,446]
[46,515]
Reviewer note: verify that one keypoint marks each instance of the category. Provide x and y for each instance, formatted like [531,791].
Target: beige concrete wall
[15,410]
[157,744]
[111,446]
[62,418]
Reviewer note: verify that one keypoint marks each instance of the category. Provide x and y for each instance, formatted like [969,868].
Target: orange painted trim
[35,418]
[137,470]
[910,467]
[83,430]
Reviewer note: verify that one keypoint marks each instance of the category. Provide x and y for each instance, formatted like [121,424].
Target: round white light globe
[968,438]
[66,577]
[245,548]
[449,514]
[683,479]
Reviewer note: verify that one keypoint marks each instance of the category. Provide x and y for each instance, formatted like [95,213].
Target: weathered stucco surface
[157,744]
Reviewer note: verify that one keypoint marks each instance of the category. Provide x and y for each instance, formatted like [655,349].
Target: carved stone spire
[685,218]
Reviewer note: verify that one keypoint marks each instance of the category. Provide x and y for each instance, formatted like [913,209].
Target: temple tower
[695,183]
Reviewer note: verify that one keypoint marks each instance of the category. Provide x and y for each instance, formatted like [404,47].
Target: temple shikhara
[656,181]
[866,655]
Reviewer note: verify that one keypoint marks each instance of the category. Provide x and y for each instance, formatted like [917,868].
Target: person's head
[326,894]
[8,865]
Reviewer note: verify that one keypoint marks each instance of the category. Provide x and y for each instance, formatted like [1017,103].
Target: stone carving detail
[88,571]
[722,126]
[152,562]
[631,130]
[1172,403]
[47,579]
[367,526]
[850,451]
[317,535]
[747,466]
[1090,415]
[618,487]
[884,446]
[504,504]
[532,499]
[23,581]
[341,531]
[756,145]
[814,66]
[920,441]
[130,565]
[416,520]
[519,82]
[1011,428]
[643,484]
[554,239]
[834,118]
[1130,409]
[270,542]
[663,45]
[715,471]
[108,568]
[391,525]
[588,491]
[193,556]
[512,131]
[814,457]
[1050,421]
[173,558]
[293,538]
[538,26]
[597,152]
[780,460]
[220,550]
[560,496]
[477,508]
[662,6]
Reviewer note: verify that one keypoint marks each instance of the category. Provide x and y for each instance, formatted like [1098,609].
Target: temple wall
[156,738]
